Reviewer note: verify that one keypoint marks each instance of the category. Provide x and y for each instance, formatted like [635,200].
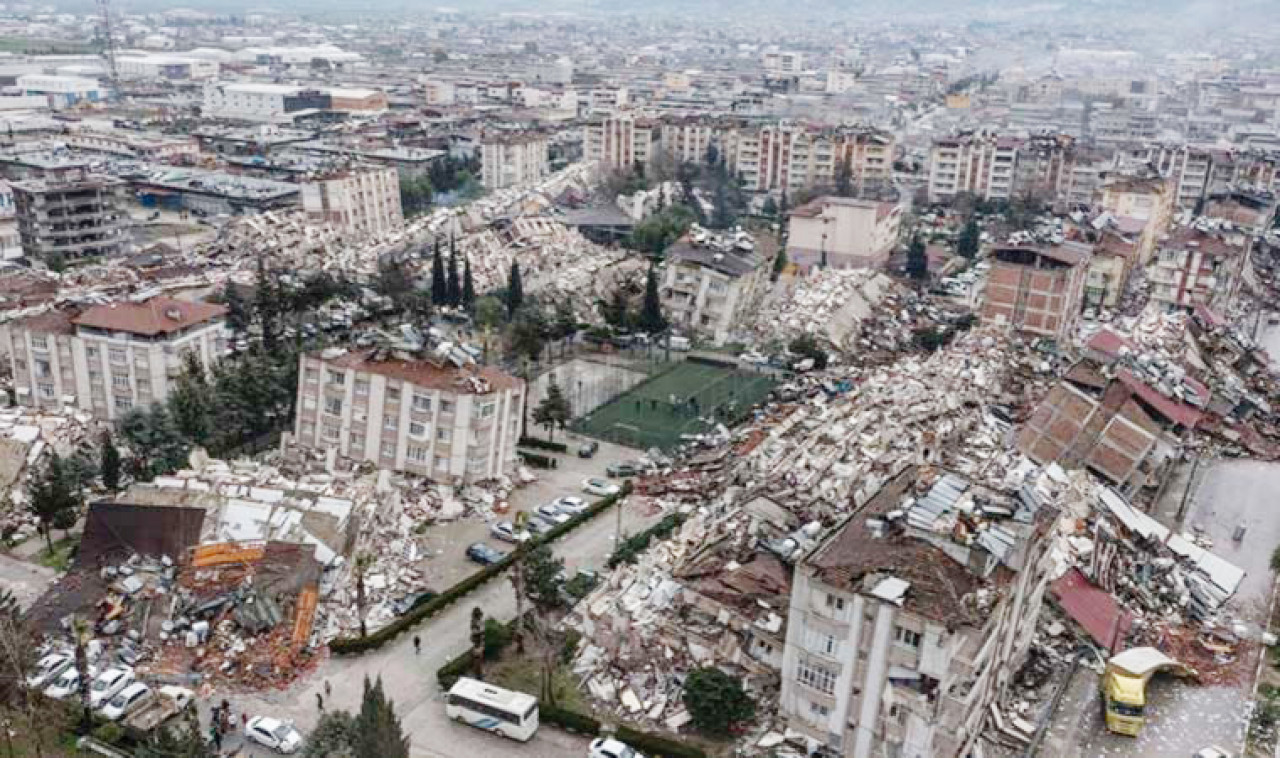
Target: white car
[278,735]
[49,668]
[108,685]
[607,747]
[126,701]
[67,683]
[570,504]
[601,487]
[507,532]
[1213,751]
[552,514]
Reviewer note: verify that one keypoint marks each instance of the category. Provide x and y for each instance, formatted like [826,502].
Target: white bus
[503,712]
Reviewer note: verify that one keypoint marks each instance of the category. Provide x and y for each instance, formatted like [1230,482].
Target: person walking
[417,645]
[319,702]
[328,691]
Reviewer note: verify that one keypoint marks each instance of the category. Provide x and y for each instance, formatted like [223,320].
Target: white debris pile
[850,309]
[26,437]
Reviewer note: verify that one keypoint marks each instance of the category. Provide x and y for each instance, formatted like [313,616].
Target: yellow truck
[1124,686]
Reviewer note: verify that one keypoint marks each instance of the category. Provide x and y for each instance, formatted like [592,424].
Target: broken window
[46,390]
[118,355]
[388,450]
[487,409]
[446,406]
[393,393]
[417,454]
[906,637]
[442,462]
[818,709]
[444,435]
[331,432]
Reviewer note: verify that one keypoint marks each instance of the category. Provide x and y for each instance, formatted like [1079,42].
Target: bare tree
[363,562]
[15,650]
[81,632]
[519,523]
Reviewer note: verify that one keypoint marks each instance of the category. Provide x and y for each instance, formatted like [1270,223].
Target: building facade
[843,232]
[1199,267]
[514,160]
[1036,290]
[364,199]
[433,416]
[790,156]
[621,141]
[109,359]
[709,293]
[1140,203]
[72,216]
[981,165]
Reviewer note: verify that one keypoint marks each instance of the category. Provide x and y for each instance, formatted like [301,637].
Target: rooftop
[159,315]
[422,372]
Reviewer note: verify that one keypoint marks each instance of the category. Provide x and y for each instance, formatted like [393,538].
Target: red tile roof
[421,372]
[1092,608]
[159,315]
[1178,413]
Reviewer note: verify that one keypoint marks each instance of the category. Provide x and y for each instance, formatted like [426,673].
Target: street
[409,680]
[25,580]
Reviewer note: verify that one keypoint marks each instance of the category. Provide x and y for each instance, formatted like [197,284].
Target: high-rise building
[513,160]
[361,199]
[71,216]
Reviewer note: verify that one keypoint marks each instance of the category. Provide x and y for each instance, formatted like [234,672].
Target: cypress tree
[515,290]
[468,286]
[454,286]
[439,289]
[651,318]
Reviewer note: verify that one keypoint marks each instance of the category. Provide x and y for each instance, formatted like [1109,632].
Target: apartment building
[621,141]
[1113,261]
[686,140]
[513,160]
[708,292]
[981,165]
[1036,290]
[1189,168]
[783,62]
[108,359]
[262,101]
[1044,167]
[901,636]
[1141,203]
[1199,266]
[789,156]
[364,199]
[842,232]
[71,216]
[433,413]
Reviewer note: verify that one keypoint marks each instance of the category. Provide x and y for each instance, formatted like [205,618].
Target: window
[43,368]
[417,429]
[834,602]
[123,403]
[331,432]
[119,355]
[20,363]
[417,454]
[308,429]
[486,410]
[46,390]
[390,423]
[143,385]
[421,403]
[333,406]
[906,637]
[357,440]
[120,381]
[388,450]
[393,393]
[443,435]
[362,386]
[442,462]
[817,677]
[818,709]
[312,376]
[446,406]
[95,377]
[309,403]
[91,352]
[337,377]
[39,342]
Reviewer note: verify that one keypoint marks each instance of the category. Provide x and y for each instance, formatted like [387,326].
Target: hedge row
[353,645]
[536,460]
[555,447]
[633,546]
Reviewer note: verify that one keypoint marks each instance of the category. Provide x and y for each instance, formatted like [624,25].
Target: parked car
[275,734]
[484,555]
[507,532]
[551,513]
[570,504]
[588,449]
[601,487]
[108,684]
[539,526]
[49,668]
[67,683]
[405,603]
[622,470]
[607,747]
[126,701]
[754,358]
[1213,751]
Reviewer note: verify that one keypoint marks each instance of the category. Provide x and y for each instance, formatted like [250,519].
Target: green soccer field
[688,398]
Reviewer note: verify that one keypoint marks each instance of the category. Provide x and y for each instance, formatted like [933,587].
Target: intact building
[621,141]
[439,416]
[109,359]
[513,160]
[1036,290]
[842,232]
[790,156]
[709,292]
[73,216]
[363,199]
[974,164]
[1199,267]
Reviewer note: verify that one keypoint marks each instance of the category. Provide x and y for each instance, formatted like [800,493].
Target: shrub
[651,744]
[633,546]
[449,674]
[536,460]
[534,442]
[570,648]
[109,733]
[569,720]
[716,700]
[496,637]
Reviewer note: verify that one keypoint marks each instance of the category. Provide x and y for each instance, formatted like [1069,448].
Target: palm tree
[363,562]
[81,633]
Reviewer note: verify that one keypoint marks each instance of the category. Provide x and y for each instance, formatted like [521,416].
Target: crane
[109,45]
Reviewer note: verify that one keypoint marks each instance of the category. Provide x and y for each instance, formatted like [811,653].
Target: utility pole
[109,45]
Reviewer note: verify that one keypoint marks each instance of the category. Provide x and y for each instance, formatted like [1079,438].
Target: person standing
[417,645]
[319,702]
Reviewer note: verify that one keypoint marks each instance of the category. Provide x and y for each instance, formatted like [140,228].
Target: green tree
[468,287]
[266,305]
[770,207]
[515,290]
[844,178]
[109,462]
[542,571]
[393,281]
[779,263]
[154,440]
[617,310]
[334,736]
[238,315]
[377,728]
[490,312]
[969,240]
[453,284]
[177,740]
[439,287]
[651,319]
[806,346]
[529,333]
[189,402]
[716,701]
[51,499]
[723,216]
[554,410]
[917,259]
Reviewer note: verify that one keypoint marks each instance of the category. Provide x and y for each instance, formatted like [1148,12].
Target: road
[409,680]
[26,581]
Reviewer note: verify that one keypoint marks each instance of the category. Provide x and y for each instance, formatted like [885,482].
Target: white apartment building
[847,233]
[898,639]
[173,67]
[252,101]
[364,199]
[783,62]
[686,139]
[1197,267]
[621,141]
[108,359]
[709,293]
[448,420]
[1189,168]
[790,156]
[513,160]
[976,164]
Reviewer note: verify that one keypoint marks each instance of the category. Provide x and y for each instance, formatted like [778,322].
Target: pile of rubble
[26,435]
